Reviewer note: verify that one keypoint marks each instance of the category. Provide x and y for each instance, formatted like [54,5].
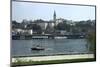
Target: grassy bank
[25,63]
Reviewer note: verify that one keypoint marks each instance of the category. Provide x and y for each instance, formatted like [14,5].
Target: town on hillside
[57,26]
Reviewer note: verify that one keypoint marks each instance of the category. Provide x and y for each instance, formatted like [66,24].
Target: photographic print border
[47,3]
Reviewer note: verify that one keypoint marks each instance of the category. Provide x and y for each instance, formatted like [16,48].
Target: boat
[37,48]
[60,37]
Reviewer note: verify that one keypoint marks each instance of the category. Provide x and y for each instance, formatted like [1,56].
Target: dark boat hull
[37,48]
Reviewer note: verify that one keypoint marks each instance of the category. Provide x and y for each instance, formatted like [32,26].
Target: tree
[15,24]
[63,26]
[36,28]
[91,38]
[39,21]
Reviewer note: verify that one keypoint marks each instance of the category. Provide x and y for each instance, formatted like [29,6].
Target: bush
[91,38]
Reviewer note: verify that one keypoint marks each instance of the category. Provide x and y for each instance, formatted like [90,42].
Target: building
[49,28]
[20,31]
[60,20]
[54,18]
[42,25]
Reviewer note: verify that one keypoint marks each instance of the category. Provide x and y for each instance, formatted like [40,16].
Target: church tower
[54,18]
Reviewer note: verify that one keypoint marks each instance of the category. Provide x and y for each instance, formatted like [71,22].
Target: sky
[45,11]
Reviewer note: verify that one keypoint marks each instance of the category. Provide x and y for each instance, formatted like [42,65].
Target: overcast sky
[33,11]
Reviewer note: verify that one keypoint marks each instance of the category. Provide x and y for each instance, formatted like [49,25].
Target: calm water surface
[52,46]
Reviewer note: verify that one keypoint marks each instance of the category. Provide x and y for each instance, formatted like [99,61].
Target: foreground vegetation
[25,63]
[92,40]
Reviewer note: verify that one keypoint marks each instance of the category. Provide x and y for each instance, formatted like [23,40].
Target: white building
[42,25]
[60,20]
[22,31]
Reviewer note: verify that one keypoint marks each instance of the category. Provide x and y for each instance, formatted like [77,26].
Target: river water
[52,47]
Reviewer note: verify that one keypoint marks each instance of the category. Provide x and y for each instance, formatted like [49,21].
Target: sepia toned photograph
[52,33]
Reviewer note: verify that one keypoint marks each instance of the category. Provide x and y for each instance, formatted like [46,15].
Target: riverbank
[52,59]
[58,57]
[50,36]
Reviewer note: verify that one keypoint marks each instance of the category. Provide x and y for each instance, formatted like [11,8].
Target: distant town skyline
[34,11]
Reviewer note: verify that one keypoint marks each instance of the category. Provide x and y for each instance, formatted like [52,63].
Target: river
[52,47]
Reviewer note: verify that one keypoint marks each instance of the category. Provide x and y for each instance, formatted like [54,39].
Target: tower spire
[54,17]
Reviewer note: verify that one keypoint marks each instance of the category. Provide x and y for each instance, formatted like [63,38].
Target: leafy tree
[39,21]
[15,24]
[63,26]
